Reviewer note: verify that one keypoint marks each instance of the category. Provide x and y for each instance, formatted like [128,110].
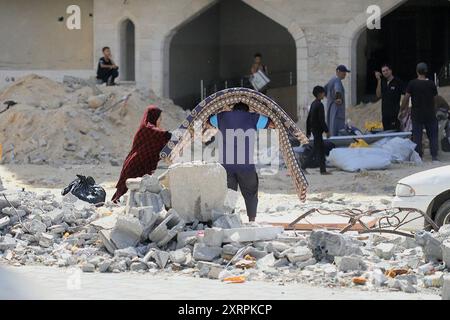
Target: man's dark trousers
[318,153]
[248,183]
[109,76]
[432,130]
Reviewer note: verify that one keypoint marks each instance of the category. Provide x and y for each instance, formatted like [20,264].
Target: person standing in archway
[390,90]
[258,66]
[336,101]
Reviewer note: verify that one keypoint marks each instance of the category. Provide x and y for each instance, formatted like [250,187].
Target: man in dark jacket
[316,125]
[236,147]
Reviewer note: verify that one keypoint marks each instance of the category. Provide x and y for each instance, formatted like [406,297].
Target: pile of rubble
[74,122]
[198,234]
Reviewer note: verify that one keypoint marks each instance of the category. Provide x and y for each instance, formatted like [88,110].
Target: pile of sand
[365,112]
[54,124]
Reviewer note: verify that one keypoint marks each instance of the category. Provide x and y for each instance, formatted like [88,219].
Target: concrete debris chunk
[127,232]
[167,229]
[251,234]
[213,237]
[105,237]
[7,243]
[326,245]
[4,222]
[88,267]
[430,244]
[202,252]
[445,247]
[46,240]
[436,280]
[228,221]
[35,227]
[298,254]
[349,263]
[129,252]
[166,197]
[209,269]
[206,192]
[445,294]
[138,266]
[385,250]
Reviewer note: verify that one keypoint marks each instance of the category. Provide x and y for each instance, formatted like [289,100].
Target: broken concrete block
[12,212]
[228,221]
[205,192]
[161,258]
[213,237]
[304,264]
[435,280]
[378,278]
[88,267]
[127,232]
[58,229]
[188,237]
[326,245]
[147,217]
[231,249]
[35,227]
[105,237]
[431,246]
[56,216]
[104,265]
[251,234]
[349,263]
[46,240]
[129,252]
[202,252]
[445,247]
[385,250]
[147,199]
[179,256]
[267,261]
[138,266]
[276,246]
[209,269]
[231,200]
[162,234]
[7,243]
[445,294]
[298,254]
[147,183]
[4,222]
[107,222]
[166,197]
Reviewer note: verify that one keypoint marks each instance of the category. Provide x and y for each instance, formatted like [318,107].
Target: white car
[428,191]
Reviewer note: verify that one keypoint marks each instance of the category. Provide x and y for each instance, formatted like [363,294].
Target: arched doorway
[418,30]
[215,50]
[127,50]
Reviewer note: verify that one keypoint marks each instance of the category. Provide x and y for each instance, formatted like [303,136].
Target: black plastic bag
[84,188]
[309,161]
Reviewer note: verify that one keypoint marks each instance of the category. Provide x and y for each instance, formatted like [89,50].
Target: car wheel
[443,214]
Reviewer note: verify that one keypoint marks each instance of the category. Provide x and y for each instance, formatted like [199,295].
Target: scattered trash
[84,188]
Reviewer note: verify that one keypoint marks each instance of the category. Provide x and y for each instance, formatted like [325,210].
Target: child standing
[316,125]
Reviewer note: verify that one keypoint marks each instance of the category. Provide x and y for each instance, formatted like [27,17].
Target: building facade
[306,40]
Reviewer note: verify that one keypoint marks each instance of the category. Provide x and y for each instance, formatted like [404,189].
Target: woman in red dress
[144,155]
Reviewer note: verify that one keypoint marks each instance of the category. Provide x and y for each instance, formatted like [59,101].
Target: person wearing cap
[335,93]
[422,93]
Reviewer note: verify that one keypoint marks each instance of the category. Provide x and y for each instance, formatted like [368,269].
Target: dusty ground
[55,283]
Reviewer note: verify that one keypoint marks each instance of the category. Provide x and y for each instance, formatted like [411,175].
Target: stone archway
[295,31]
[348,44]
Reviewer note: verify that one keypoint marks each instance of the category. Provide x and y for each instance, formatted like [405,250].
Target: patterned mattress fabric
[257,102]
